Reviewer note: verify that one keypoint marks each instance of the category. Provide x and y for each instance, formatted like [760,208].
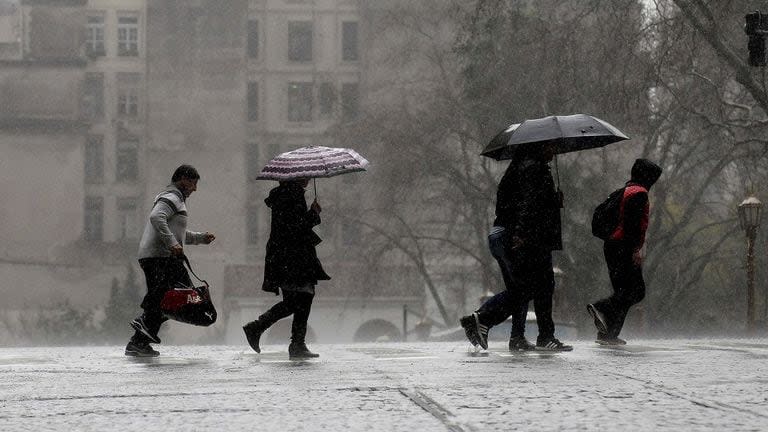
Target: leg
[277,312]
[161,274]
[628,286]
[302,306]
[633,293]
[254,329]
[543,290]
[498,308]
[509,302]
[302,302]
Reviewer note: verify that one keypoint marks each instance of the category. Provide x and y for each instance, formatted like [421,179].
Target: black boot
[253,331]
[299,350]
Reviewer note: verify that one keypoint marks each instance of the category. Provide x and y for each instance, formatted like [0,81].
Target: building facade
[106,97]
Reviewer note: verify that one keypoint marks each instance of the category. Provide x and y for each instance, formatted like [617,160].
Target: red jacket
[633,216]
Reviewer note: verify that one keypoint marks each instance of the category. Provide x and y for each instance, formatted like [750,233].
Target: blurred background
[100,100]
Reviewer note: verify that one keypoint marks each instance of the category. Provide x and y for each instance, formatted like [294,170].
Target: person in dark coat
[623,255]
[291,265]
[526,231]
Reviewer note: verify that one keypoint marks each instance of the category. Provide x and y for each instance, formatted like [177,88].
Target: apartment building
[104,98]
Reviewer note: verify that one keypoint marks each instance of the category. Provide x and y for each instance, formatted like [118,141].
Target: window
[349,44]
[327,97]
[253,165]
[94,159]
[92,103]
[127,169]
[252,44]
[94,39]
[128,90]
[253,101]
[299,102]
[252,224]
[127,218]
[300,41]
[350,101]
[93,222]
[128,36]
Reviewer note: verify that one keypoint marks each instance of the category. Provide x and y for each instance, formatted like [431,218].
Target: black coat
[527,205]
[291,257]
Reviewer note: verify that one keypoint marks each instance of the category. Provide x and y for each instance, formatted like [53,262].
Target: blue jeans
[528,275]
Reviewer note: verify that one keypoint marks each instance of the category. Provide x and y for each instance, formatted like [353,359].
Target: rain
[403,118]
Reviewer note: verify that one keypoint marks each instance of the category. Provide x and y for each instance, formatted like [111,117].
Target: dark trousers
[297,303]
[628,286]
[528,275]
[161,275]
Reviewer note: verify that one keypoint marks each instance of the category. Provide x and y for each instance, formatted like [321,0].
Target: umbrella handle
[314,183]
[558,191]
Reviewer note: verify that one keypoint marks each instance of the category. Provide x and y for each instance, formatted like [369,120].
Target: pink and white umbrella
[313,162]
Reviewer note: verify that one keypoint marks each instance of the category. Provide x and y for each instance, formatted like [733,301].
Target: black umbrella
[565,133]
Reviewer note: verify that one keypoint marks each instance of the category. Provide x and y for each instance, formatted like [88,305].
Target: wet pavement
[647,385]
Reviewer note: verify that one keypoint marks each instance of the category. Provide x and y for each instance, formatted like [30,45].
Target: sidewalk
[647,385]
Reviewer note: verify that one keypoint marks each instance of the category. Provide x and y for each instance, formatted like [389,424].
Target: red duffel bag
[189,304]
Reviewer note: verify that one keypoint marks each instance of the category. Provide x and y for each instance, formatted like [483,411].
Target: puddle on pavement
[16,361]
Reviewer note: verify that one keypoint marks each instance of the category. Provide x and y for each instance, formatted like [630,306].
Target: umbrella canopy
[312,162]
[565,133]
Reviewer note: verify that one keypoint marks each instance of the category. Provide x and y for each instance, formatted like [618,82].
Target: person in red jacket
[623,255]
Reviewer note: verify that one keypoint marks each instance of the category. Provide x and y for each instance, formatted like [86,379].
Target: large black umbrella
[565,133]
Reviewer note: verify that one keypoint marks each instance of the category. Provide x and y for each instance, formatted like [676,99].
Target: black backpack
[605,218]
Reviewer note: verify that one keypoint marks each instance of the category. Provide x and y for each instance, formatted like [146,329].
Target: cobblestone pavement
[647,385]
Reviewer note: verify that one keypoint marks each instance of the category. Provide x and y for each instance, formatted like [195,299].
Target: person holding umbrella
[291,264]
[525,232]
[527,227]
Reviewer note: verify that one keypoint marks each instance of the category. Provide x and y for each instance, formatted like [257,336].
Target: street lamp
[749,217]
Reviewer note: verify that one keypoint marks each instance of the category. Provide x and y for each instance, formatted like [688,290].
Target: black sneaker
[477,334]
[552,345]
[519,343]
[137,349]
[253,333]
[139,326]
[299,351]
[599,318]
[610,341]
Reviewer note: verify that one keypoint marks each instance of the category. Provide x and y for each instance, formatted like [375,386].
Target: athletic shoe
[476,332]
[609,341]
[599,318]
[139,326]
[519,343]
[552,345]
[253,333]
[299,351]
[138,349]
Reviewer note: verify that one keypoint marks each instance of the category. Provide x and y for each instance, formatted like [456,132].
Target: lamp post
[749,217]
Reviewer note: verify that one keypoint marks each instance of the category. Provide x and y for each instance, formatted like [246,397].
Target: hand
[177,250]
[316,207]
[637,258]
[517,242]
[208,238]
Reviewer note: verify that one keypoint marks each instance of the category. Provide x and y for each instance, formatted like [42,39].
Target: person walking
[623,255]
[161,253]
[526,230]
[291,265]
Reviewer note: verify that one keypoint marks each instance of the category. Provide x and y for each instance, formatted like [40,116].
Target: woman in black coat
[291,264]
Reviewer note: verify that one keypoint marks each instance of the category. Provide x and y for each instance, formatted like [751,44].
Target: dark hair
[187,171]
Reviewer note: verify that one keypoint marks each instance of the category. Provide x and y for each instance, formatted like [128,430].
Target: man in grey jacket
[160,252]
